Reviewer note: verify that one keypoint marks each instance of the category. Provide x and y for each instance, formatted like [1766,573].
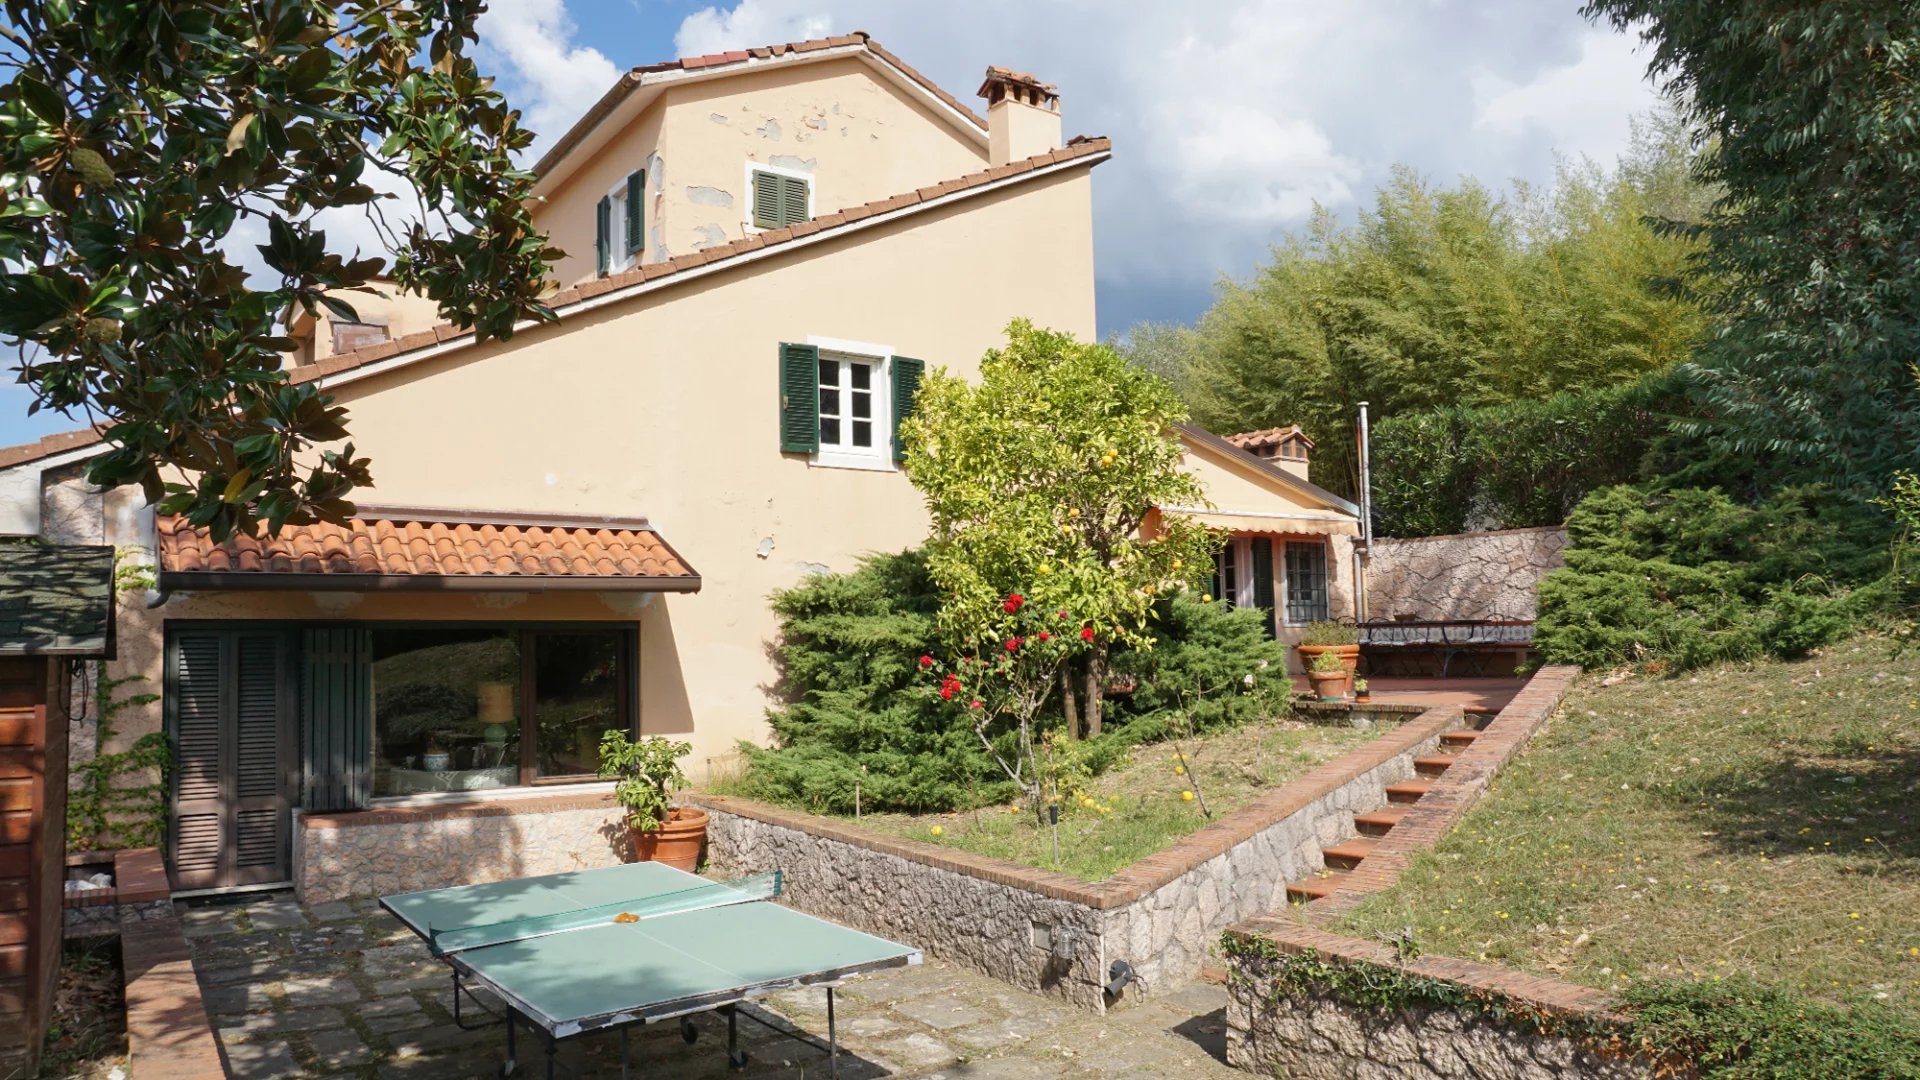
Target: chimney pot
[1023,115]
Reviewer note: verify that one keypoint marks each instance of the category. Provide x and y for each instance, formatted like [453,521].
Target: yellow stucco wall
[858,137]
[665,406]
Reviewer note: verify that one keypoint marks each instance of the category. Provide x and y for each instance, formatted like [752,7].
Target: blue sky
[1231,119]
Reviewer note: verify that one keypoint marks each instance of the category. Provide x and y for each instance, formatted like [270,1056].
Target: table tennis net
[708,894]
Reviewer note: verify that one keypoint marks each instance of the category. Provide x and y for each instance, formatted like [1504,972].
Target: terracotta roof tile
[440,547]
[1080,146]
[1273,436]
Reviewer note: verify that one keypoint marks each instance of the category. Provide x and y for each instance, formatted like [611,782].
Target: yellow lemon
[936,830]
[1206,598]
[1179,770]
[1177,564]
[1074,512]
[1045,569]
[1186,796]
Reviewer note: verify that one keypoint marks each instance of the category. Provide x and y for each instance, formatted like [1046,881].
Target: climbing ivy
[104,810]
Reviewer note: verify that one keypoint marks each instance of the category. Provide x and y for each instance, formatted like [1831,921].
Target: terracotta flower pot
[1329,685]
[1349,655]
[676,843]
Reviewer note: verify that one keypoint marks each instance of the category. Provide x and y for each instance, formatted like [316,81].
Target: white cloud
[552,79]
[1584,105]
[749,23]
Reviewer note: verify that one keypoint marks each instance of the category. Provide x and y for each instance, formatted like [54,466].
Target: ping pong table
[602,950]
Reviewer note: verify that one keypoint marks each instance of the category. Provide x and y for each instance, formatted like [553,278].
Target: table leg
[623,1054]
[833,1039]
[552,1047]
[513,1056]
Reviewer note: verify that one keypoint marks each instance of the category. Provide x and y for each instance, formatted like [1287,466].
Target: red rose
[1063,614]
[926,662]
[1013,603]
[1012,644]
[1044,636]
[1086,633]
[949,687]
[975,704]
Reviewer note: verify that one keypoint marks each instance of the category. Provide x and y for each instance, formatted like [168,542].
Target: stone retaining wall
[1048,932]
[399,849]
[1484,575]
[1274,1029]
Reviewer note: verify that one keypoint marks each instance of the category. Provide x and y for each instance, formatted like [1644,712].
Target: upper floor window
[842,402]
[780,197]
[619,226]
[348,336]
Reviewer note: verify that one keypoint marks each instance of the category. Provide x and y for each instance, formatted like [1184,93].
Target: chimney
[1023,116]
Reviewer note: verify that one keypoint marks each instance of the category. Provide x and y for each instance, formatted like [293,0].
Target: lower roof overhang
[383,549]
[1305,523]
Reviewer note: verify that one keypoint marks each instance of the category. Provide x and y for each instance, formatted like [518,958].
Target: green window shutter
[799,399]
[336,702]
[602,243]
[1262,558]
[793,200]
[907,373]
[766,200]
[636,199]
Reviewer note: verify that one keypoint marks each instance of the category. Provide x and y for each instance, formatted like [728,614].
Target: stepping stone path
[343,990]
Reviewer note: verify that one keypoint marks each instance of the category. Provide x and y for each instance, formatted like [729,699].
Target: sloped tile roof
[56,601]
[413,548]
[1274,436]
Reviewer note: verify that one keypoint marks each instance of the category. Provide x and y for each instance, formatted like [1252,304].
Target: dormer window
[781,197]
[619,233]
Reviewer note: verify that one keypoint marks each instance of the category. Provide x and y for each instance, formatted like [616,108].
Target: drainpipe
[1365,554]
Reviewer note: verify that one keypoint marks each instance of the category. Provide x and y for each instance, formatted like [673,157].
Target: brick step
[1408,791]
[1347,854]
[1432,764]
[1313,888]
[1459,740]
[1377,822]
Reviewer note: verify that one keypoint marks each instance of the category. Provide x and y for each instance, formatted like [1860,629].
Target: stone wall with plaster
[1486,575]
[1277,1030]
[384,851]
[1162,915]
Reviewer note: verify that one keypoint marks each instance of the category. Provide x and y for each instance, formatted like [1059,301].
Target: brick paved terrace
[342,990]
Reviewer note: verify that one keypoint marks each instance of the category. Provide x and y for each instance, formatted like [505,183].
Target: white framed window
[777,196]
[853,384]
[1305,582]
[1232,572]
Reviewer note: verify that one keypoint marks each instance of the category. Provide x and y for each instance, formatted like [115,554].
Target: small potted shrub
[1338,639]
[1360,690]
[1329,677]
[647,773]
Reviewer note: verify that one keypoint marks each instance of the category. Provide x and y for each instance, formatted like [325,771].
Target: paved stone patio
[343,990]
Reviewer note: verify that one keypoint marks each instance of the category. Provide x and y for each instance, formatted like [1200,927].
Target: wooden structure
[56,609]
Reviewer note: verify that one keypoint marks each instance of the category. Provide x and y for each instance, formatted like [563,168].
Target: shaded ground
[343,990]
[1761,819]
[88,1034]
[1145,808]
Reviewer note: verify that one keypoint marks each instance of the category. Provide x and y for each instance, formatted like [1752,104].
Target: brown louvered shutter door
[228,706]
[336,692]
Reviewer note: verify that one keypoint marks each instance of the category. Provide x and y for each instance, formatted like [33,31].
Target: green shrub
[1740,1029]
[1330,633]
[1690,577]
[861,716]
[1201,656]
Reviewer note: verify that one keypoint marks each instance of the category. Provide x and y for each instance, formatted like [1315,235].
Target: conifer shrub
[1689,577]
[860,716]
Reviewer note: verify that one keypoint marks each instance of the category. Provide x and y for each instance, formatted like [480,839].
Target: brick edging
[1150,873]
[1451,794]
[168,1034]
[1547,995]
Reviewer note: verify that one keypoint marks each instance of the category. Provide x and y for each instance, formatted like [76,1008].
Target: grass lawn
[1761,819]
[1146,811]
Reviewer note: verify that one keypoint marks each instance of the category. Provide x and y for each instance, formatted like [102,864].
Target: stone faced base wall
[400,849]
[1485,575]
[1056,934]
[1275,1029]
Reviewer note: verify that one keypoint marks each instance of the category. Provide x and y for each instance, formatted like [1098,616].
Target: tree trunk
[1096,687]
[1067,702]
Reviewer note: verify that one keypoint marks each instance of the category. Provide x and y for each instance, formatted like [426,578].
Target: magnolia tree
[1040,482]
[139,140]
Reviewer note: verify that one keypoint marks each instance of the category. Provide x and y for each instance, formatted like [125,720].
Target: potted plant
[1329,677]
[1339,639]
[1360,690]
[647,773]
